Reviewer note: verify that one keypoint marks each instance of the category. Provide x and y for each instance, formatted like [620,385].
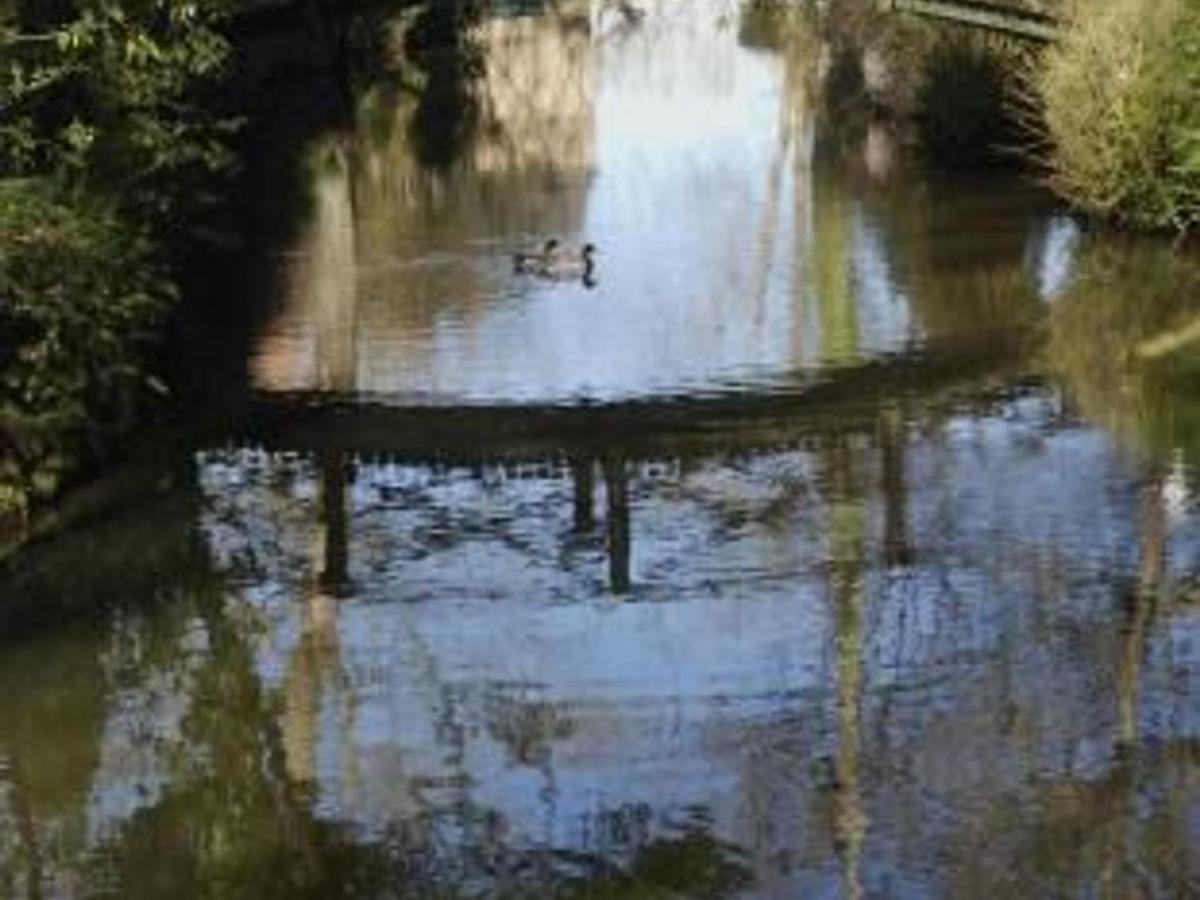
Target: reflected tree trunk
[892,444]
[243,804]
[847,526]
[1139,613]
[832,250]
[793,108]
[314,663]
[334,278]
[1141,605]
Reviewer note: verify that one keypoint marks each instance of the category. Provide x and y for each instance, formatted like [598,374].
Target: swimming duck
[566,263]
[556,262]
[533,263]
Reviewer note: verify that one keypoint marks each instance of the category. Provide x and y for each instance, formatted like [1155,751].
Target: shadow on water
[310,73]
[840,544]
[442,46]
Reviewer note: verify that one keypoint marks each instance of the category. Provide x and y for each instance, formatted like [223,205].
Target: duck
[558,263]
[567,264]
[533,263]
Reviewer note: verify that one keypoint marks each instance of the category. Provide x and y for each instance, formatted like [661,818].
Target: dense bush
[109,144]
[80,301]
[1120,98]
[114,96]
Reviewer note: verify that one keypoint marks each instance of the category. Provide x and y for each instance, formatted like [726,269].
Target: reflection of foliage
[225,817]
[958,284]
[230,822]
[441,45]
[91,570]
[774,25]
[1125,296]
[80,616]
[233,824]
[50,732]
[694,864]
[58,770]
[959,91]
[1121,833]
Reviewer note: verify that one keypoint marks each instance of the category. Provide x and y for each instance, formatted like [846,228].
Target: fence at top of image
[1031,21]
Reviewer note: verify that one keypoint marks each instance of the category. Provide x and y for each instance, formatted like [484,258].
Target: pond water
[838,541]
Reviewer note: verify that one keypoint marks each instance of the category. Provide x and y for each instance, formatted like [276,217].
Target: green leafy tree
[112,141]
[81,299]
[116,96]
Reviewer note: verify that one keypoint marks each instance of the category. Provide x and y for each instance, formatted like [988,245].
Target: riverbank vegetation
[1119,95]
[1107,113]
[111,148]
[84,300]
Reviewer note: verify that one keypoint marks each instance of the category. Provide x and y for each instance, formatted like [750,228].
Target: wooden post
[616,486]
[584,482]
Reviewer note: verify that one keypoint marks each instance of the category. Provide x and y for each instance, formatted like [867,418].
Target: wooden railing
[1033,22]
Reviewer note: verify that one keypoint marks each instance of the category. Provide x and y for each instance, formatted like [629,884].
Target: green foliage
[110,95]
[108,136]
[1119,94]
[80,302]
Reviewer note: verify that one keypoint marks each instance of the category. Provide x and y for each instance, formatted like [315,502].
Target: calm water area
[839,541]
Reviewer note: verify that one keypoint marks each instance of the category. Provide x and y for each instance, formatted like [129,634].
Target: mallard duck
[533,263]
[557,262]
[567,263]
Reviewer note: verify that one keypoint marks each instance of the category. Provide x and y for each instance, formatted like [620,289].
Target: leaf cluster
[81,299]
[109,146]
[113,96]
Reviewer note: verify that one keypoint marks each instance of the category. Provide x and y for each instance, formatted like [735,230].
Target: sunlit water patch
[733,253]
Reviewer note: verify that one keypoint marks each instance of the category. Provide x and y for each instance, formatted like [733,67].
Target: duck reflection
[847,593]
[528,728]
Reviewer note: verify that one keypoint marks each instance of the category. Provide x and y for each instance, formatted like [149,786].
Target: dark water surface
[839,542]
